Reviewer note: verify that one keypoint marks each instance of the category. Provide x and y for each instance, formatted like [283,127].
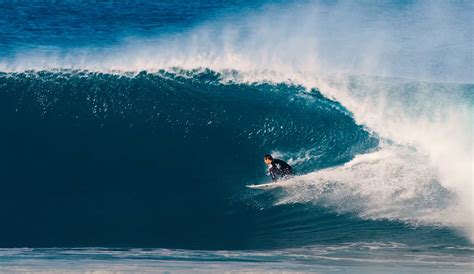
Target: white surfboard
[265,186]
[272,185]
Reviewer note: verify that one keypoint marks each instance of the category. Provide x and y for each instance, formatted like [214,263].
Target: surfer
[277,168]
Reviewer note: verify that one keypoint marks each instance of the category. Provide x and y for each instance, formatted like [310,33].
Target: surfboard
[264,186]
[271,185]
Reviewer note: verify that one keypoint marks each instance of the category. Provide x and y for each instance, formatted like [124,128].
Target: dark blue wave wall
[158,159]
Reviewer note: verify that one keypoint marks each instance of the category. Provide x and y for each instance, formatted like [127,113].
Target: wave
[388,112]
[169,153]
[161,153]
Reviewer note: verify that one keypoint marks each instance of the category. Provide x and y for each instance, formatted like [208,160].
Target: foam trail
[322,45]
[393,183]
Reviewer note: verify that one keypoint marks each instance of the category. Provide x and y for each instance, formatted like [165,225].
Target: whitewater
[373,105]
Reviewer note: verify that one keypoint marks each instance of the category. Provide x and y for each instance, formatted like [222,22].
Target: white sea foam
[393,183]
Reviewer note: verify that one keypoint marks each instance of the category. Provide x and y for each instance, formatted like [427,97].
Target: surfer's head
[268,159]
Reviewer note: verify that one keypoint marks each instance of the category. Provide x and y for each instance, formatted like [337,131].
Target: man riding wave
[277,168]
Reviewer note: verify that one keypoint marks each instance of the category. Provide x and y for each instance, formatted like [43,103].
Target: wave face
[143,132]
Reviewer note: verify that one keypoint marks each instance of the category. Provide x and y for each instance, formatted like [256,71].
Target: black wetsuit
[279,169]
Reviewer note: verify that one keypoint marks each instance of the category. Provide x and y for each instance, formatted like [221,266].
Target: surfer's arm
[271,171]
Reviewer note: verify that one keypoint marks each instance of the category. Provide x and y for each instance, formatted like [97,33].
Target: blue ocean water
[130,129]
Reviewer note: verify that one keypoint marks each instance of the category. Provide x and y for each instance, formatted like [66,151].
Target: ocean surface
[129,130]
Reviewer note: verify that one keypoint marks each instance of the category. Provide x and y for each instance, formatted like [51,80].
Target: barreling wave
[161,159]
[150,142]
